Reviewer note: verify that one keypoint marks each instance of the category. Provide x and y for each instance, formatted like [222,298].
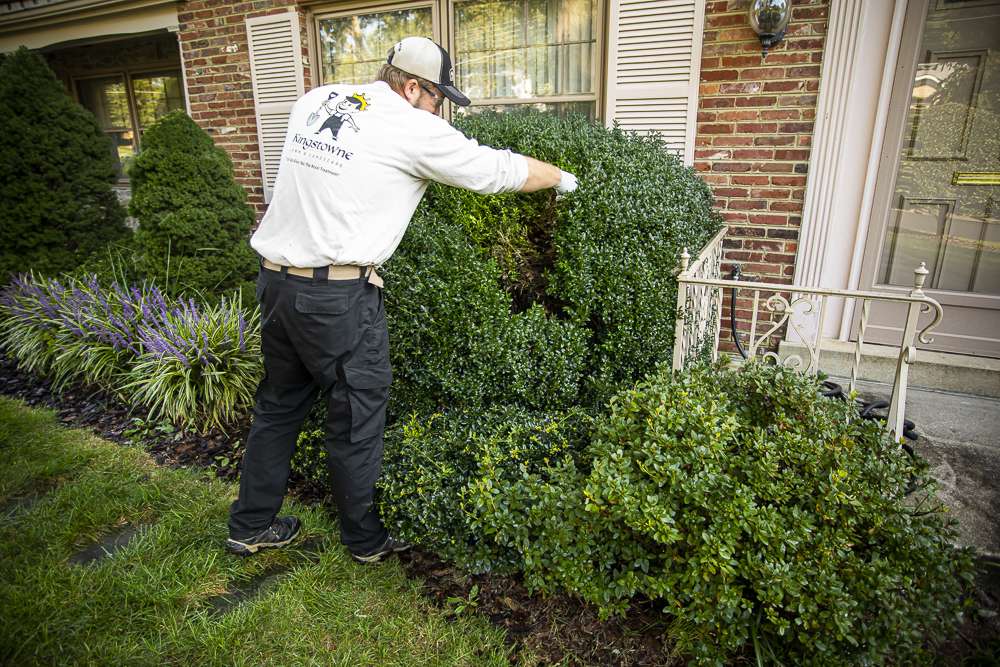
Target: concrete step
[939,371]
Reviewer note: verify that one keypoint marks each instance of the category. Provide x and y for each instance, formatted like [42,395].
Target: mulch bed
[555,628]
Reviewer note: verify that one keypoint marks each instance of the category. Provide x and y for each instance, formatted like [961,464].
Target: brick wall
[755,125]
[216,59]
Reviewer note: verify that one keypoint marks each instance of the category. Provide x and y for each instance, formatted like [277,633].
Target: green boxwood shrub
[194,220]
[56,172]
[439,472]
[758,512]
[523,299]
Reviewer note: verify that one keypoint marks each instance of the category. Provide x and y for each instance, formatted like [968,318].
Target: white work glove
[567,183]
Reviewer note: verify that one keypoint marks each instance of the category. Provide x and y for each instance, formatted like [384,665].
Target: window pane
[107,100]
[353,48]
[525,48]
[156,95]
[587,109]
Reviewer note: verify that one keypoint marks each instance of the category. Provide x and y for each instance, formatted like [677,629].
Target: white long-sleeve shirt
[355,164]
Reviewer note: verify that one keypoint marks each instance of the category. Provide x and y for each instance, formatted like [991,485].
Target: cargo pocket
[368,366]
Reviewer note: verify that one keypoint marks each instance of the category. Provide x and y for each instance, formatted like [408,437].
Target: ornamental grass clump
[764,517]
[196,365]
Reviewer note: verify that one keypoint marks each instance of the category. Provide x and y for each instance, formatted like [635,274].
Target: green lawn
[157,600]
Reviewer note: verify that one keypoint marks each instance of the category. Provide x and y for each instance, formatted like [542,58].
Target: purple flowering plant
[195,365]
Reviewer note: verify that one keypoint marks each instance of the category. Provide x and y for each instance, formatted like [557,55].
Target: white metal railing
[699,308]
[699,305]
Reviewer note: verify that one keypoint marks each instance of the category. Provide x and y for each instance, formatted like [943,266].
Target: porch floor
[960,438]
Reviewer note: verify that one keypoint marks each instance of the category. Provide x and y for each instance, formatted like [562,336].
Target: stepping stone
[22,502]
[256,586]
[108,545]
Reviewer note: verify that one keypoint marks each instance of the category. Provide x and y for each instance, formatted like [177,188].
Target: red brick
[786,206]
[768,219]
[771,193]
[788,180]
[759,73]
[753,154]
[756,128]
[748,204]
[756,101]
[731,166]
[719,75]
[751,180]
[774,140]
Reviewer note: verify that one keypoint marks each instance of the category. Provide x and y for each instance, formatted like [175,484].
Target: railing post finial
[919,276]
[685,259]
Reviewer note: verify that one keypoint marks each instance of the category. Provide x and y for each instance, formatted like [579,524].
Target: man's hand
[567,183]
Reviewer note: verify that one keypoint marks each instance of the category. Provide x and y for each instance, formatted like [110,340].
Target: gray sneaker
[391,546]
[280,533]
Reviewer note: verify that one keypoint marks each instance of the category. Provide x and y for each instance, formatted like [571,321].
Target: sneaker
[391,546]
[282,530]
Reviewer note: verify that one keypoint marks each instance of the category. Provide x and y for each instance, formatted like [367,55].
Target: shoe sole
[244,549]
[377,557]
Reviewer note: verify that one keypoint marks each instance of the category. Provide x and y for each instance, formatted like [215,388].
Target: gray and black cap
[422,57]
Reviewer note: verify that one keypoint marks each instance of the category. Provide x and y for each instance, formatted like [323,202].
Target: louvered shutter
[654,57]
[276,70]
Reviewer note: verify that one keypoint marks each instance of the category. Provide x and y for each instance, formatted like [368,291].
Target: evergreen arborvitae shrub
[56,172]
[194,220]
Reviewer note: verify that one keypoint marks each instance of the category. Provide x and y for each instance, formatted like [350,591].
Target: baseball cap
[422,57]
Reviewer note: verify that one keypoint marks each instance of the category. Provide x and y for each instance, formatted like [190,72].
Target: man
[341,204]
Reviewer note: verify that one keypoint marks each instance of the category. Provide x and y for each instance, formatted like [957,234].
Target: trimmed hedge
[194,220]
[526,300]
[56,172]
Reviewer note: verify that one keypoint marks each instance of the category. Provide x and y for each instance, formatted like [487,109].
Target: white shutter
[276,70]
[654,58]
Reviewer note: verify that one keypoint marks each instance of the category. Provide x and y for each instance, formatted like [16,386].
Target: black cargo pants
[328,336]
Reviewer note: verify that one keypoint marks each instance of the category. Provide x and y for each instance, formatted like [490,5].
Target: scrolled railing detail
[699,305]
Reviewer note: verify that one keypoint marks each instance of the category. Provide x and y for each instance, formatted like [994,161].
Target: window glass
[353,48]
[528,50]
[558,108]
[107,99]
[156,95]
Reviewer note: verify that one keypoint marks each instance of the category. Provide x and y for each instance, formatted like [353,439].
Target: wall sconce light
[769,19]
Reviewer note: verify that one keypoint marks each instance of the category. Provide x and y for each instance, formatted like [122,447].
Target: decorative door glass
[945,207]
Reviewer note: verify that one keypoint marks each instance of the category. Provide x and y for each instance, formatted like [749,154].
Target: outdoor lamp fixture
[769,18]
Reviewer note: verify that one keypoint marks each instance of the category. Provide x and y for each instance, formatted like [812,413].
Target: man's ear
[411,91]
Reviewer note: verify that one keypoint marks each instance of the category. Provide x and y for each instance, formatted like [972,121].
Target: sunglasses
[438,99]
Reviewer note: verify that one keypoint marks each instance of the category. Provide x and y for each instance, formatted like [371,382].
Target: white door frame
[859,64]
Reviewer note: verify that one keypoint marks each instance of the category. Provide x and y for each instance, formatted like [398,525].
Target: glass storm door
[937,196]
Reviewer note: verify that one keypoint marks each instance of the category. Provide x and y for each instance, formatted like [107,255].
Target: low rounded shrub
[56,172]
[440,471]
[758,512]
[194,220]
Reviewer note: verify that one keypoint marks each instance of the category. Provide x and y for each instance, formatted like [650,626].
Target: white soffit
[41,30]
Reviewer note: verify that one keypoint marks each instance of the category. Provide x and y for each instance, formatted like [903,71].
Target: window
[507,53]
[126,104]
[537,52]
[353,48]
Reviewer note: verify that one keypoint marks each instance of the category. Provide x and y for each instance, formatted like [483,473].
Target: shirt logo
[338,114]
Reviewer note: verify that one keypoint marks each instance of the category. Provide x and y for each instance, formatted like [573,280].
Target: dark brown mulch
[557,629]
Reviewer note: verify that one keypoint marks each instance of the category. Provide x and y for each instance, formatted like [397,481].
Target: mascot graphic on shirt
[338,114]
